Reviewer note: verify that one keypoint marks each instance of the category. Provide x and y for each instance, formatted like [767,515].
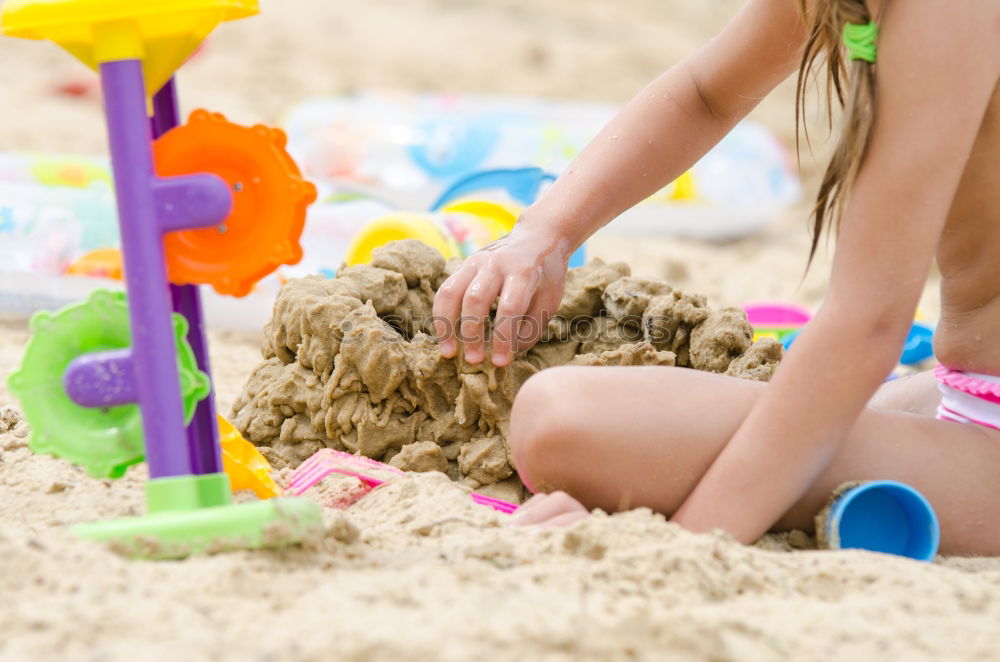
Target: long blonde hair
[857,79]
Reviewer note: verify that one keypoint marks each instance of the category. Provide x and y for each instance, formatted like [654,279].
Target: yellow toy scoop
[246,467]
[161,33]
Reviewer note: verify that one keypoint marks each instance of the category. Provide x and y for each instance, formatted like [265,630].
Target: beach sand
[416,571]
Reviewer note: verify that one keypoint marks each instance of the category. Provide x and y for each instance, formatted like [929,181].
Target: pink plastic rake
[327,461]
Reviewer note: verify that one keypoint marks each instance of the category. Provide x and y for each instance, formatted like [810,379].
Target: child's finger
[476,303]
[514,302]
[532,324]
[448,306]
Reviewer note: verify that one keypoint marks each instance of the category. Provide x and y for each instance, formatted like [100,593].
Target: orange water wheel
[270,198]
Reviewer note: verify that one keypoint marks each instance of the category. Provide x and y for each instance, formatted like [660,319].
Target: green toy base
[187,493]
[181,533]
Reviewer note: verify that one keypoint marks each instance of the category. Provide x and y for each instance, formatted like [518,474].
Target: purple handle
[154,359]
[101,379]
[191,201]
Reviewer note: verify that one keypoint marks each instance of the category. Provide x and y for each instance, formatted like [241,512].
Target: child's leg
[915,394]
[618,438]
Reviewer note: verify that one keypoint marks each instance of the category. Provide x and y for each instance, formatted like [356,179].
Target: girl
[915,175]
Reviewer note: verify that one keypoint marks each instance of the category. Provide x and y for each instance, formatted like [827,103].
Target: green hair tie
[860,40]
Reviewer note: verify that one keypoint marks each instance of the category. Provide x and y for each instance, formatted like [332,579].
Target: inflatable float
[455,168]
[411,147]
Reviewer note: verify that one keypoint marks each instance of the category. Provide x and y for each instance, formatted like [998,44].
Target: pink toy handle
[495,504]
[327,461]
[367,480]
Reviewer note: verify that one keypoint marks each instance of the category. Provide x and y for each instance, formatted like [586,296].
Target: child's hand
[527,270]
[545,510]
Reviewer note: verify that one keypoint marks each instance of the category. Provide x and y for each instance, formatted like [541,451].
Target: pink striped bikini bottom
[968,397]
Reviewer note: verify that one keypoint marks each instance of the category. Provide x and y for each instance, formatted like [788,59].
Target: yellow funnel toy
[246,467]
[161,33]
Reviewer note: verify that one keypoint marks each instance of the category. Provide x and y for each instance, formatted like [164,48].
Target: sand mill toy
[114,380]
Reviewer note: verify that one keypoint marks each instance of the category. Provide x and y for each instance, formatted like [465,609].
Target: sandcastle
[351,363]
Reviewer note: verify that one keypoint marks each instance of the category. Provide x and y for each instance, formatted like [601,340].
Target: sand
[350,363]
[416,571]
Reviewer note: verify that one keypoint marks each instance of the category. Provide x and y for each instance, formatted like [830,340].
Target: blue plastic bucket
[884,516]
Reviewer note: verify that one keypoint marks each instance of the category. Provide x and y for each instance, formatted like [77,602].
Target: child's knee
[543,424]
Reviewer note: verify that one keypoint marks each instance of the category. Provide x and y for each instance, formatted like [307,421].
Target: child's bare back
[966,337]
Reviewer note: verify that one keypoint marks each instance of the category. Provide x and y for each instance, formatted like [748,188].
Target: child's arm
[675,120]
[938,64]
[657,136]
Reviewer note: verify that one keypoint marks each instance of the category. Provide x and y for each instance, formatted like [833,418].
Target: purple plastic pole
[203,431]
[155,356]
[148,207]
[166,114]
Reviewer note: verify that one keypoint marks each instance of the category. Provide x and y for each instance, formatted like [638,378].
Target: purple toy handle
[147,208]
[102,379]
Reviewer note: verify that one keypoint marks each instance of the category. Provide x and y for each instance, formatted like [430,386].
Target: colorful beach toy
[784,321]
[884,516]
[416,145]
[132,374]
[160,34]
[776,320]
[919,344]
[81,410]
[327,461]
[100,263]
[264,182]
[246,467]
[458,223]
